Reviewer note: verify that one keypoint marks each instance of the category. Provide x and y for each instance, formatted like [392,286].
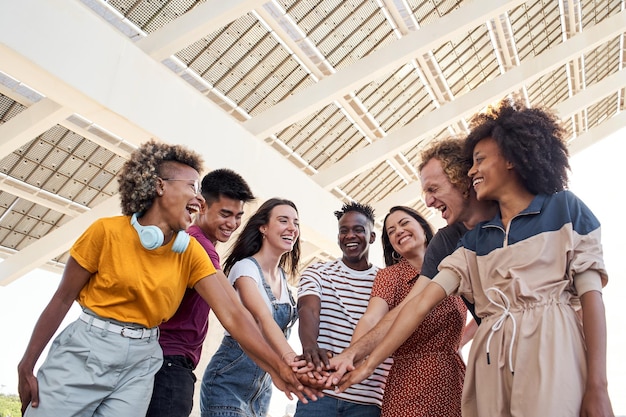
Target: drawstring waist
[506,312]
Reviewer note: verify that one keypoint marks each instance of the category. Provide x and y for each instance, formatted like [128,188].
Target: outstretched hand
[286,381]
[347,375]
[340,364]
[315,370]
[311,390]
[317,358]
[316,382]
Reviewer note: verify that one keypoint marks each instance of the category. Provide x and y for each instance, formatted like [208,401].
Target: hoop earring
[395,255]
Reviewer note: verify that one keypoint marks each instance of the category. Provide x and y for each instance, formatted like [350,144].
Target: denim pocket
[228,358]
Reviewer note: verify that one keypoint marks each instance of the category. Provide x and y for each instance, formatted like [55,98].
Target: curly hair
[531,138]
[364,209]
[250,239]
[227,183]
[388,249]
[454,161]
[138,176]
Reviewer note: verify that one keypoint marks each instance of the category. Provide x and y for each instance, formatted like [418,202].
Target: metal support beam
[105,78]
[469,103]
[29,124]
[194,25]
[373,66]
[54,243]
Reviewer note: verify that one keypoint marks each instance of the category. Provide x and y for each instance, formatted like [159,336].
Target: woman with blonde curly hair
[129,274]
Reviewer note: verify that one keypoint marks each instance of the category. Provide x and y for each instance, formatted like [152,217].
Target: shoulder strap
[267,288]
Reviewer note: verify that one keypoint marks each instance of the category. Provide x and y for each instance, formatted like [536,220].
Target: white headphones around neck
[151,237]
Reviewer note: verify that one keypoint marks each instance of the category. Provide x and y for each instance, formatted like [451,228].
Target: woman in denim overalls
[233,385]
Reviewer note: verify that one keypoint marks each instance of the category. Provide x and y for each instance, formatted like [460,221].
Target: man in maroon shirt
[225,193]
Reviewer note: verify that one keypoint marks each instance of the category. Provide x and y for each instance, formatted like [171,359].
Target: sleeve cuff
[587,281]
[448,280]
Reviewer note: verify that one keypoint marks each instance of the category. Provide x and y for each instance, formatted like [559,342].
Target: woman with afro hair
[129,274]
[526,270]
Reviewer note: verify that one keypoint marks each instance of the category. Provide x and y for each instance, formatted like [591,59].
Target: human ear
[160,189]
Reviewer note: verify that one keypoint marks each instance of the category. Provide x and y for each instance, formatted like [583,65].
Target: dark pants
[173,388]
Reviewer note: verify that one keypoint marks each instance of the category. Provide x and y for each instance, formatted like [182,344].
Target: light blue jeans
[233,385]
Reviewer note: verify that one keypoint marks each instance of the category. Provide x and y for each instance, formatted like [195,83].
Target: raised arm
[220,295]
[309,310]
[408,319]
[253,301]
[376,310]
[73,280]
[363,344]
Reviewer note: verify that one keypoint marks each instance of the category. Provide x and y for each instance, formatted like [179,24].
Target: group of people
[520,252]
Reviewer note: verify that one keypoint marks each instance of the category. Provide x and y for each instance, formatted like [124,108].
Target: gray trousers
[94,372]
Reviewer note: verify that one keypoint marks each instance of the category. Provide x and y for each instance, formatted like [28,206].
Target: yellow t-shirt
[130,283]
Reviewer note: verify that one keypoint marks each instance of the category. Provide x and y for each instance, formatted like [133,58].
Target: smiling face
[220,219]
[355,236]
[490,172]
[283,228]
[441,194]
[406,235]
[178,192]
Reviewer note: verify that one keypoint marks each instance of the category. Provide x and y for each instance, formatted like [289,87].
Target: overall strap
[268,289]
[292,301]
[272,297]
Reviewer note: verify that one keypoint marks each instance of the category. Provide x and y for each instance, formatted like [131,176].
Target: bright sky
[595,179]
[596,174]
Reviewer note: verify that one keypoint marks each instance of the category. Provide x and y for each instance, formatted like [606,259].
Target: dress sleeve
[587,281]
[384,286]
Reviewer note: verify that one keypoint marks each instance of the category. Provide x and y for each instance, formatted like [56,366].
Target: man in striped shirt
[332,297]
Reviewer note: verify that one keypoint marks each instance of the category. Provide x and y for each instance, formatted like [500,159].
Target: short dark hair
[225,182]
[364,209]
[531,138]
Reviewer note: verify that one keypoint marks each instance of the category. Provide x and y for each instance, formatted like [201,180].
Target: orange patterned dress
[426,378]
